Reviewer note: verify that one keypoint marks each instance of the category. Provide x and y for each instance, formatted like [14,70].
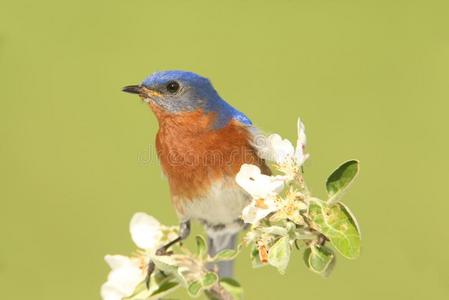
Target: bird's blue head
[182,91]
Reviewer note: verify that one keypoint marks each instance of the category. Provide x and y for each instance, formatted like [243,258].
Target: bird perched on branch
[201,143]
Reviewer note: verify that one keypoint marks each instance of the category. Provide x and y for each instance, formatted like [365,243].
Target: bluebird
[201,143]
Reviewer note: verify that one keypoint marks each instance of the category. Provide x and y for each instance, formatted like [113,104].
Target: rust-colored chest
[193,155]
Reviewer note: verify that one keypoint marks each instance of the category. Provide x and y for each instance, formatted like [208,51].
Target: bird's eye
[173,87]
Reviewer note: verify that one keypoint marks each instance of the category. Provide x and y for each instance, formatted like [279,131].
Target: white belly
[223,204]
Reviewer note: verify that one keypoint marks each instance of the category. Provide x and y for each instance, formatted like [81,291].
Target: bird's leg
[184,231]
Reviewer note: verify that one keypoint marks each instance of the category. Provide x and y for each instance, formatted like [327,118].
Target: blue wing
[226,113]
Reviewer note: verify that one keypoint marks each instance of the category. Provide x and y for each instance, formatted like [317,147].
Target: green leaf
[275,230]
[183,267]
[160,285]
[255,259]
[226,254]
[159,278]
[338,226]
[201,246]
[330,267]
[141,291]
[165,263]
[279,254]
[164,289]
[341,179]
[320,259]
[352,217]
[209,279]
[194,288]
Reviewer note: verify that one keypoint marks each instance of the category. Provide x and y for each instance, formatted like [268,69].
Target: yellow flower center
[260,203]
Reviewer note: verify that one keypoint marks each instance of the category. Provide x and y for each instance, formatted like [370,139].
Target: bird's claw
[161,251]
[184,232]
[152,266]
[150,270]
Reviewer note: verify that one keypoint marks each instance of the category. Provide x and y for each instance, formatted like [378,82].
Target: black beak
[133,89]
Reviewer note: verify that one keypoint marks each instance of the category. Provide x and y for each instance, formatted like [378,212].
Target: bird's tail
[219,241]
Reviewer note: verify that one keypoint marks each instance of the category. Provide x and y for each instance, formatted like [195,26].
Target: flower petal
[145,231]
[256,184]
[254,212]
[282,150]
[300,156]
[117,261]
[250,216]
[302,139]
[123,278]
[109,292]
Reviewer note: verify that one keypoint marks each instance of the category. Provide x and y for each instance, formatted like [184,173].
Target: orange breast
[193,155]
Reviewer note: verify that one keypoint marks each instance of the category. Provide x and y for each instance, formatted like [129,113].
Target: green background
[370,79]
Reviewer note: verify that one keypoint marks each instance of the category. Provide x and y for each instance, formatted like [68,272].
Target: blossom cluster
[265,189]
[128,272]
[283,216]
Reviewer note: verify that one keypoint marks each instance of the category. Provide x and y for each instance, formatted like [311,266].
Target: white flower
[126,273]
[262,188]
[250,236]
[300,156]
[145,231]
[282,152]
[258,209]
[257,184]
